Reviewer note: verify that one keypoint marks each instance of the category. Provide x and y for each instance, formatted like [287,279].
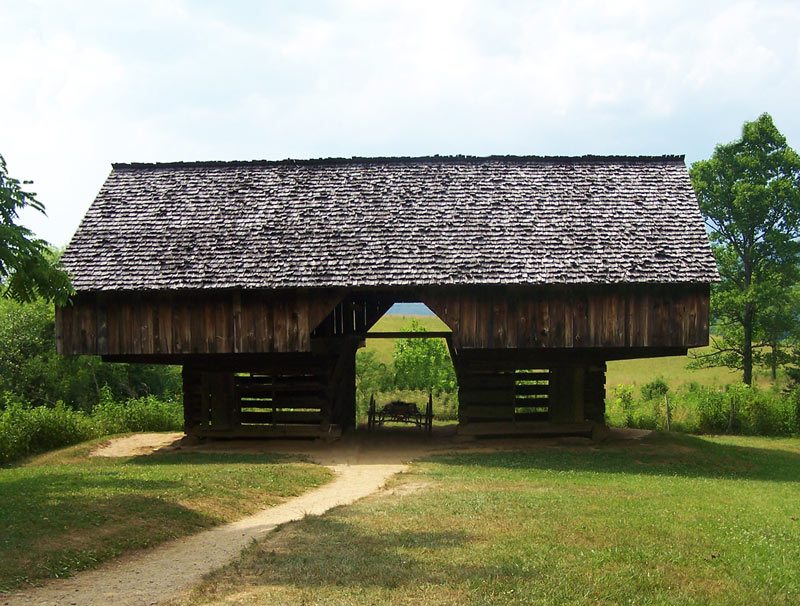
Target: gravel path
[158,574]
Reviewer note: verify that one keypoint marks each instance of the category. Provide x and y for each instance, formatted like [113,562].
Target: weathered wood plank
[525,428]
[473,412]
[485,397]
[263,322]
[283,416]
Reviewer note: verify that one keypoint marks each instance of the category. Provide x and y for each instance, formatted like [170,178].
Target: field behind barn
[630,372]
[701,400]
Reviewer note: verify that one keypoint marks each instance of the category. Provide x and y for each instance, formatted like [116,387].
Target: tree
[28,268]
[749,194]
[32,372]
[423,363]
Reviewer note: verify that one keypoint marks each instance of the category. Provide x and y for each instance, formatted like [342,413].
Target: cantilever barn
[261,279]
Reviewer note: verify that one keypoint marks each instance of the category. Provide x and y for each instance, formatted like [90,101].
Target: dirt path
[153,576]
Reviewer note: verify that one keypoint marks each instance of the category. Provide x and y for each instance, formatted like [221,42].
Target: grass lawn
[668,520]
[64,511]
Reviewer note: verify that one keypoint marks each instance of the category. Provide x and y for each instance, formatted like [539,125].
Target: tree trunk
[747,351]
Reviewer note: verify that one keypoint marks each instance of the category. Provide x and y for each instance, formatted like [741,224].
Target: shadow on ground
[348,555]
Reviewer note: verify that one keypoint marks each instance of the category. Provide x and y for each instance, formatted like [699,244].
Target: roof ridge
[336,161]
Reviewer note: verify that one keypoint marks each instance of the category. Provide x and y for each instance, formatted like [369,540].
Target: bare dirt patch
[137,444]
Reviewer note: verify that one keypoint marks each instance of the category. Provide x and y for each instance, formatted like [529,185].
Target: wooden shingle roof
[392,222]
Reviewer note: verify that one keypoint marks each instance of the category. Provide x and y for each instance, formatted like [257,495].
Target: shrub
[712,411]
[423,364]
[657,388]
[735,409]
[140,414]
[372,376]
[25,431]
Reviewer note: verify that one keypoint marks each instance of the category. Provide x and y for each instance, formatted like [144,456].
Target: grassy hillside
[674,370]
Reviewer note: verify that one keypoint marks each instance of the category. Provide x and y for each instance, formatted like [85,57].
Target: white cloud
[149,80]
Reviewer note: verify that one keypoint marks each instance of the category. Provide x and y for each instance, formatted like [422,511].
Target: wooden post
[220,389]
[371,412]
[669,414]
[192,399]
[343,384]
[567,394]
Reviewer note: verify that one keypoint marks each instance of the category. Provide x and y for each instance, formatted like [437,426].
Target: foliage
[423,363]
[28,269]
[26,430]
[749,194]
[657,388]
[147,413]
[65,511]
[31,368]
[735,409]
[372,376]
[623,400]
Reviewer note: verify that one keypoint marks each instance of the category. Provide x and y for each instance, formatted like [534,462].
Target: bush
[372,376]
[657,388]
[737,409]
[140,414]
[26,430]
[423,364]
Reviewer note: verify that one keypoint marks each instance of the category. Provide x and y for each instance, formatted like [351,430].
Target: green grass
[674,371]
[669,520]
[64,511]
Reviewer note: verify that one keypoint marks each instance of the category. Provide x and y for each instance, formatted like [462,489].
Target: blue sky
[92,82]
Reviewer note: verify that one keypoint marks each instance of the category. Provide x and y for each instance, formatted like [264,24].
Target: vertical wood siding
[642,316]
[286,321]
[206,323]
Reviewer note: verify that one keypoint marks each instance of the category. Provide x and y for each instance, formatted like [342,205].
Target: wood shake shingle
[384,222]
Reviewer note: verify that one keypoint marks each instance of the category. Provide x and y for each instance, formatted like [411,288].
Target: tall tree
[749,194]
[28,268]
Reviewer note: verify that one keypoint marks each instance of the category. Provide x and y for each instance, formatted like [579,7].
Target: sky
[91,82]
